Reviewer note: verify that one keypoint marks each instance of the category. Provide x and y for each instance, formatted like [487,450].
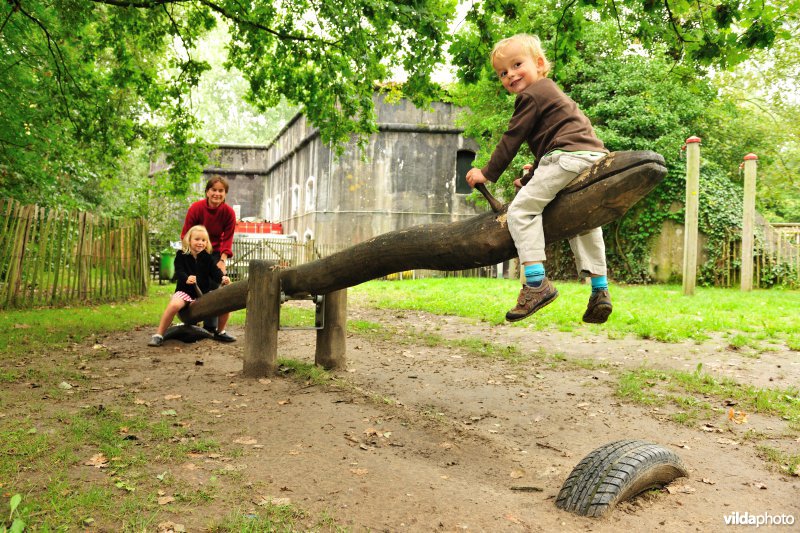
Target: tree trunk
[596,197]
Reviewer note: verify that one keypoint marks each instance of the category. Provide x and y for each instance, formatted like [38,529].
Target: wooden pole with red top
[690,224]
[748,220]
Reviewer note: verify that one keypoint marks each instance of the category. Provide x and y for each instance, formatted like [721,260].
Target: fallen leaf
[21,326]
[516,474]
[708,481]
[265,381]
[723,440]
[170,527]
[124,485]
[680,489]
[359,471]
[172,396]
[164,500]
[98,460]
[284,402]
[738,417]
[248,441]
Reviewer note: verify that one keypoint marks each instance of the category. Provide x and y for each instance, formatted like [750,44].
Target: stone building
[411,173]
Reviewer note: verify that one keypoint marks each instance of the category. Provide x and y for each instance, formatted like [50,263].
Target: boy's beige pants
[525,214]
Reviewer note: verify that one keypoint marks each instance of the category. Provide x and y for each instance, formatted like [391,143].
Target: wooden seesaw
[597,196]
[612,473]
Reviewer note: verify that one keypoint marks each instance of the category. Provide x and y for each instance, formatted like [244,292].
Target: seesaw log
[596,197]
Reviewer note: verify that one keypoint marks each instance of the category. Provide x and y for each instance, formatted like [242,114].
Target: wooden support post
[748,219]
[690,219]
[331,339]
[263,319]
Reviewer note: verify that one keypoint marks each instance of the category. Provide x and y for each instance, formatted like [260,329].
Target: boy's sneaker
[156,340]
[599,307]
[531,299]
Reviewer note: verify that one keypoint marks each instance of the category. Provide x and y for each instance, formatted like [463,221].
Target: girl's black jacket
[203,267]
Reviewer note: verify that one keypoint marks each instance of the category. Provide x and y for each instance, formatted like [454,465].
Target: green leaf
[14,503]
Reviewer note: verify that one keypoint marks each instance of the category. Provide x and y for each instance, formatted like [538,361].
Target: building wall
[406,177]
[244,167]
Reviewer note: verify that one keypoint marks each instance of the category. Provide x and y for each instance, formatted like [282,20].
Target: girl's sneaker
[156,340]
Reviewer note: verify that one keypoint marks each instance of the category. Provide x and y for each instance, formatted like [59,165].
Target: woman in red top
[220,221]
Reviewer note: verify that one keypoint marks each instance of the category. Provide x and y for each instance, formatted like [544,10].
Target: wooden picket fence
[54,257]
[776,260]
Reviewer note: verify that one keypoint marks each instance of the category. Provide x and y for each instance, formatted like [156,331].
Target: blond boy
[564,143]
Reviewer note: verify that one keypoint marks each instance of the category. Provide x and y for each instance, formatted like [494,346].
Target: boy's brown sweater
[548,120]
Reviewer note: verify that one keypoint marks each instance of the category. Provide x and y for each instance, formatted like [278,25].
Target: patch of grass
[641,386]
[737,341]
[294,316]
[788,463]
[637,386]
[36,330]
[685,418]
[657,312]
[587,364]
[278,518]
[793,342]
[68,439]
[368,329]
[304,371]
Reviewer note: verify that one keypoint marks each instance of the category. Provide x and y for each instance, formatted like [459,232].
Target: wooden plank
[690,224]
[262,321]
[331,346]
[9,250]
[17,256]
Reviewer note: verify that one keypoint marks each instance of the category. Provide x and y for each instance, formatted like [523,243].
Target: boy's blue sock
[599,283]
[534,274]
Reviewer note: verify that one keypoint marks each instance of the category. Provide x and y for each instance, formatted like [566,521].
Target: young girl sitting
[194,270]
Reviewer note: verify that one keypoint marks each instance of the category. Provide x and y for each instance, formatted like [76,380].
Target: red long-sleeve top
[220,223]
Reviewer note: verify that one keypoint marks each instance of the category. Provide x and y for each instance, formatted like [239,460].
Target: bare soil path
[424,436]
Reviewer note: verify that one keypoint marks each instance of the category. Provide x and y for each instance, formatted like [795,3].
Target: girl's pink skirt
[183,296]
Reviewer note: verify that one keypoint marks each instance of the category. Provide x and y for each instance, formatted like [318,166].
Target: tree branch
[150,4]
[14,7]
[58,60]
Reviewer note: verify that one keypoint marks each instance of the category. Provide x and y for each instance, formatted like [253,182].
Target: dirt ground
[428,438]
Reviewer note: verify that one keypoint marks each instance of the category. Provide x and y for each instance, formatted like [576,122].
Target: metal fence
[50,256]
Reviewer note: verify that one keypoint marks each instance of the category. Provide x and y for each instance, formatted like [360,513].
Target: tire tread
[615,472]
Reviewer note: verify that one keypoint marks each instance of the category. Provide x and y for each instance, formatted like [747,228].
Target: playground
[418,433]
